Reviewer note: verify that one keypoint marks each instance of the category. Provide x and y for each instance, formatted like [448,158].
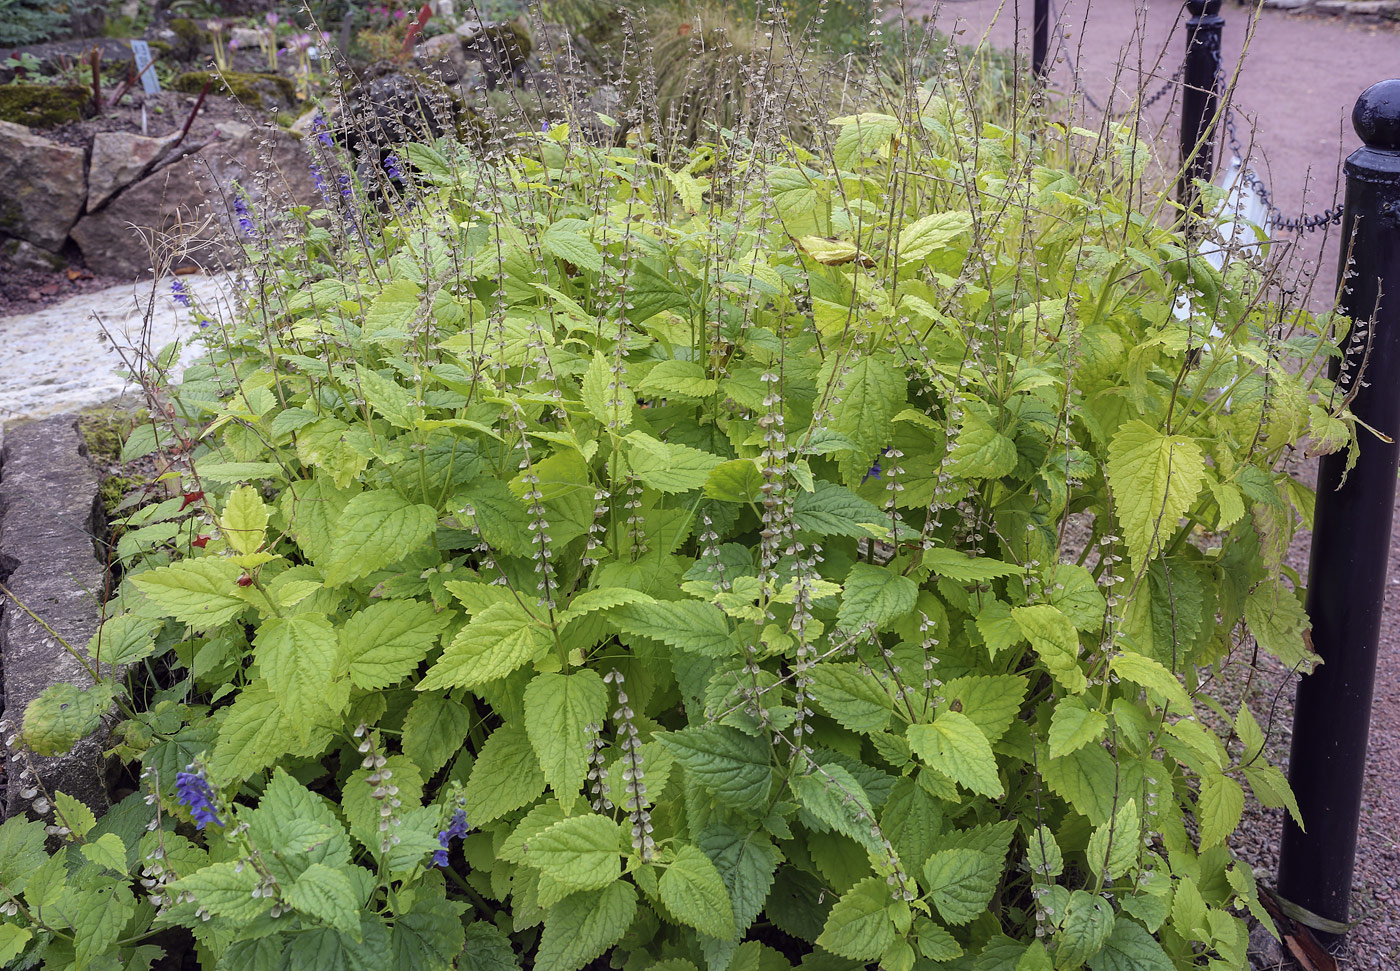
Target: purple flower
[196,795]
[323,133]
[240,209]
[347,191]
[456,829]
[320,183]
[181,294]
[272,19]
[875,469]
[391,166]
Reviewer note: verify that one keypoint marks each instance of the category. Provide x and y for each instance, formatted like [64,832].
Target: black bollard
[1351,539]
[1040,38]
[1200,96]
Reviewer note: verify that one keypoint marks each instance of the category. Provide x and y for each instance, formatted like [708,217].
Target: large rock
[119,159]
[41,187]
[50,517]
[184,212]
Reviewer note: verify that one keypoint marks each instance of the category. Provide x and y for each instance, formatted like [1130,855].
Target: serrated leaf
[62,715]
[1043,853]
[244,521]
[1219,807]
[1088,922]
[1114,846]
[123,639]
[1056,641]
[746,863]
[690,625]
[1278,622]
[980,451]
[1130,948]
[430,937]
[496,642]
[97,917]
[301,660]
[681,470]
[1086,779]
[961,568]
[961,882]
[562,239]
[394,307]
[505,776]
[202,592]
[859,926]
[834,510]
[13,940]
[605,395]
[876,597]
[327,895]
[734,766]
[560,710]
[1074,725]
[991,702]
[583,926]
[923,237]
[1075,594]
[692,889]
[1151,675]
[107,851]
[581,852]
[955,746]
[225,890]
[375,529]
[434,730]
[738,480]
[1271,788]
[487,949]
[852,696]
[1155,479]
[385,642]
[684,379]
[831,794]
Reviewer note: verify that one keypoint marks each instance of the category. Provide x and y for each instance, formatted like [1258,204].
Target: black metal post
[1200,95]
[1040,38]
[1351,536]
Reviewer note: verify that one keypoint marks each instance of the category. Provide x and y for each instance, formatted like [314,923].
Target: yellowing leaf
[1056,641]
[1155,479]
[955,746]
[922,238]
[244,521]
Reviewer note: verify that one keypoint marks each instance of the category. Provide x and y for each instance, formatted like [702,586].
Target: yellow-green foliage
[43,105]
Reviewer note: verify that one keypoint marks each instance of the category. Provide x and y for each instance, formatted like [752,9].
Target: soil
[166,113]
[23,291]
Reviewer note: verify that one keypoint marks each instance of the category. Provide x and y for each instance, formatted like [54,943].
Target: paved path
[1299,78]
[58,359]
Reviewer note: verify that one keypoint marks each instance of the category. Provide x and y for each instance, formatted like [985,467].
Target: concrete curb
[50,518]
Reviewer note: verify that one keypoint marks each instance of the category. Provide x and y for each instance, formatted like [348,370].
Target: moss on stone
[189,36]
[254,90]
[43,105]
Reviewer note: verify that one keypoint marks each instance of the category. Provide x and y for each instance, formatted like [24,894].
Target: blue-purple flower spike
[181,294]
[240,209]
[196,795]
[456,829]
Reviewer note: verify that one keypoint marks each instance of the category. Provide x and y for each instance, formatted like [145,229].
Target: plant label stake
[142,52]
[1351,536]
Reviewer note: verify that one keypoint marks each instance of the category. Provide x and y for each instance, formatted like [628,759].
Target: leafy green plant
[758,556]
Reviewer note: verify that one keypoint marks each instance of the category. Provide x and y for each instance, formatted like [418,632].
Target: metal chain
[1303,222]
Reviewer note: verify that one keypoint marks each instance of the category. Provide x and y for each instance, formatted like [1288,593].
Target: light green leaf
[866,134]
[13,940]
[961,882]
[97,917]
[961,568]
[562,239]
[385,642]
[394,307]
[1114,846]
[62,714]
[853,696]
[990,701]
[560,709]
[391,399]
[738,480]
[1130,948]
[1278,622]
[1088,922]
[834,796]
[1075,594]
[305,668]
[875,596]
[123,639]
[834,510]
[682,379]
[746,862]
[244,522]
[922,238]
[505,776]
[434,729]
[1271,788]
[225,890]
[1155,480]
[375,529]
[732,765]
[1074,725]
[873,391]
[980,451]
[681,470]
[1086,779]
[496,642]
[1153,676]
[327,895]
[107,851]
[1043,854]
[583,925]
[692,889]
[201,592]
[955,746]
[581,852]
[605,395]
[690,625]
[430,937]
[1056,641]
[1219,808]
[859,926]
